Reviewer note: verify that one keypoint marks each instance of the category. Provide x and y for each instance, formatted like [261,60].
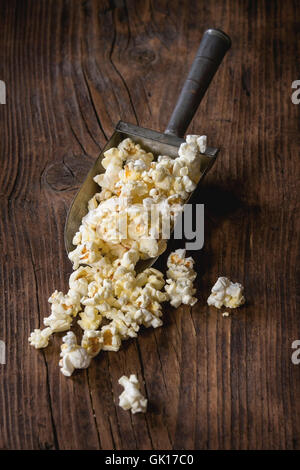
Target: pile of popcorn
[112,300]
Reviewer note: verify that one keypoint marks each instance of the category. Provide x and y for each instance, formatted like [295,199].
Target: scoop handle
[213,47]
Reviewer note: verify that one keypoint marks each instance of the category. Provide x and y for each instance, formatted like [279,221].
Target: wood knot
[67,174]
[59,177]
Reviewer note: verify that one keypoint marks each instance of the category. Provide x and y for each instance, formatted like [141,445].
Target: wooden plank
[72,69]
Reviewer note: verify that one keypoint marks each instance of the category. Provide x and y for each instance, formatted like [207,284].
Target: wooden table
[74,68]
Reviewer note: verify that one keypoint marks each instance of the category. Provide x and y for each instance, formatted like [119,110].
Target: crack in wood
[93,409]
[92,103]
[118,72]
[55,437]
[145,384]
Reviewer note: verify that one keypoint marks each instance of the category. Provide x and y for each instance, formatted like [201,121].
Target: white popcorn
[147,318]
[62,311]
[150,247]
[184,171]
[180,292]
[58,323]
[189,153]
[72,355]
[84,254]
[188,184]
[93,203]
[112,301]
[111,338]
[113,164]
[130,259]
[92,341]
[40,338]
[181,275]
[131,398]
[226,293]
[77,238]
[201,142]
[180,266]
[123,326]
[90,318]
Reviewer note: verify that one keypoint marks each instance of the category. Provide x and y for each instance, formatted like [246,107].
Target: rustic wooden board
[72,70]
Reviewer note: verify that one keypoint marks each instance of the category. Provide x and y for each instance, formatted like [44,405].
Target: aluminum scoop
[213,47]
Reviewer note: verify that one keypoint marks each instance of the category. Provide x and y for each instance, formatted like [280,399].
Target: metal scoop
[213,47]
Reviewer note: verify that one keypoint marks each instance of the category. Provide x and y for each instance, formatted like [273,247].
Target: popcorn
[108,179]
[83,254]
[90,318]
[149,247]
[40,338]
[92,341]
[180,292]
[93,203]
[125,327]
[226,293]
[179,266]
[147,318]
[189,155]
[180,279]
[77,238]
[131,151]
[130,259]
[58,322]
[201,142]
[136,182]
[131,398]
[111,299]
[111,338]
[72,355]
[78,283]
[188,184]
[62,312]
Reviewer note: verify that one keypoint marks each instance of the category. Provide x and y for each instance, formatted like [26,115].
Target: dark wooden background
[72,70]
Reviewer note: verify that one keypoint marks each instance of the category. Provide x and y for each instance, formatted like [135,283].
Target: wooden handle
[213,47]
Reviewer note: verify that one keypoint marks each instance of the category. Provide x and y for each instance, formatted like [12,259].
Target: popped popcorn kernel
[131,398]
[226,293]
[181,275]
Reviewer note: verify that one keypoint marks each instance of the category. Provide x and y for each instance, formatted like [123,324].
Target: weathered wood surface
[72,70]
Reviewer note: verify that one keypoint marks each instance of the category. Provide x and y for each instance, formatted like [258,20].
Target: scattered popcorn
[226,293]
[201,141]
[40,338]
[111,299]
[131,398]
[72,355]
[181,275]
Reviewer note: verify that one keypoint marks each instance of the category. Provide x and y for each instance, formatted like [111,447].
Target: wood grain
[74,68]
